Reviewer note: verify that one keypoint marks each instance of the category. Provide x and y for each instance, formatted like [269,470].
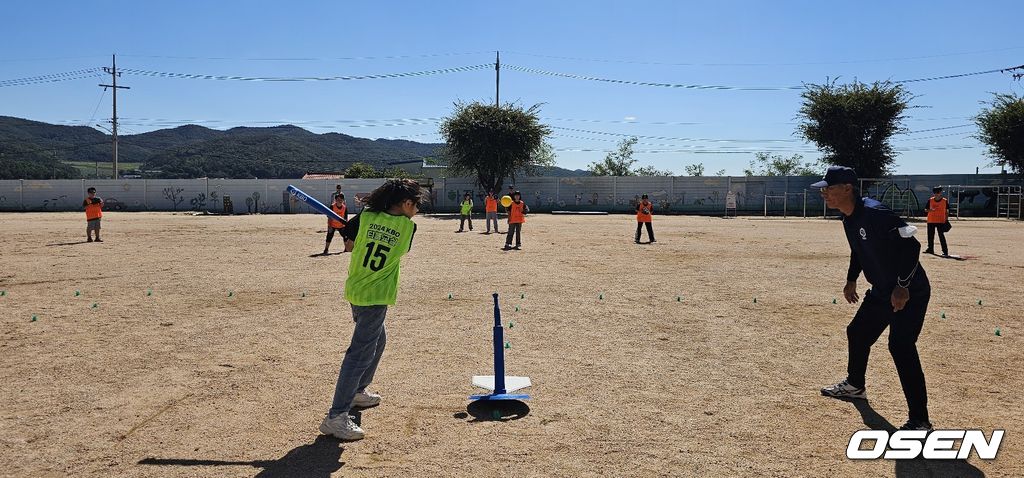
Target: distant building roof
[324,176]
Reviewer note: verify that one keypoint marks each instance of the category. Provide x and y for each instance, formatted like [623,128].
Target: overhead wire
[192,76]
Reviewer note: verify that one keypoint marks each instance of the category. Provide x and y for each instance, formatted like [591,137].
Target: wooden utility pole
[113,120]
[497,78]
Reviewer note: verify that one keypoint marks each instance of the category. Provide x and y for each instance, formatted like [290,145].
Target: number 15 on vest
[319,206]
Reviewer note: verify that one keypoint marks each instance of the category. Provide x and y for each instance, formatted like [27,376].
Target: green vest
[381,242]
[467,207]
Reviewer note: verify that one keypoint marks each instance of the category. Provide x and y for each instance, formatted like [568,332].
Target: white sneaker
[844,390]
[342,427]
[366,400]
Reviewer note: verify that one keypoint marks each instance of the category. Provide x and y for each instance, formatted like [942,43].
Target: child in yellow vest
[378,237]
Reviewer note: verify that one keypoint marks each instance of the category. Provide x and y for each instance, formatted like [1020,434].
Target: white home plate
[511,383]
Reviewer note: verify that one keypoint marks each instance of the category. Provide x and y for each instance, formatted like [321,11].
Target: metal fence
[774,195]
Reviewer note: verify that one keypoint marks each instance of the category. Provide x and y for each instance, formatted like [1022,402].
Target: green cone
[517,308]
[149,292]
[834,300]
[94,305]
[508,344]
[3,293]
[943,315]
[78,293]
[511,324]
[449,296]
[755,300]
[600,297]
[231,293]
[522,295]
[979,301]
[303,293]
[999,332]
[34,318]
[679,298]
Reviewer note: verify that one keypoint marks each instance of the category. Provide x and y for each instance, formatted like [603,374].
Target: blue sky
[730,43]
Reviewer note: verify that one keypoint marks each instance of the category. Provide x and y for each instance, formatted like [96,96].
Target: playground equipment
[896,194]
[799,198]
[501,386]
[1008,201]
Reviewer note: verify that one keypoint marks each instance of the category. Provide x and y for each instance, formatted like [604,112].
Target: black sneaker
[90,240]
[844,390]
[517,247]
[928,251]
[99,240]
[917,425]
[507,247]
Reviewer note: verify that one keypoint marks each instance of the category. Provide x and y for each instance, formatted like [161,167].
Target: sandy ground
[190,381]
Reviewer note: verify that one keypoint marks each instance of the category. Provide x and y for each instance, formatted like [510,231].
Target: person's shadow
[318,460]
[918,467]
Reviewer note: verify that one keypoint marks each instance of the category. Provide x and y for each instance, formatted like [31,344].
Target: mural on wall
[198,202]
[174,195]
[58,202]
[252,203]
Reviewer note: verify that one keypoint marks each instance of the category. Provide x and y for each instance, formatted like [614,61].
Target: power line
[669,138]
[840,62]
[191,76]
[651,83]
[732,88]
[342,58]
[52,78]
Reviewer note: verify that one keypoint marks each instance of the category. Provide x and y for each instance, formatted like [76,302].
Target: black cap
[643,197]
[937,189]
[837,175]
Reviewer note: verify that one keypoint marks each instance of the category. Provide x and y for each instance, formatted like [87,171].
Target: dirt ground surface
[209,346]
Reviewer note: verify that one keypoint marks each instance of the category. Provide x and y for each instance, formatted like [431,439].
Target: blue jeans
[362,356]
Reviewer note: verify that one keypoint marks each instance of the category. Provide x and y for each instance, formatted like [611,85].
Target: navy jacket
[883,246]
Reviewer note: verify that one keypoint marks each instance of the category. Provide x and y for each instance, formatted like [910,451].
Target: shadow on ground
[917,467]
[494,411]
[317,460]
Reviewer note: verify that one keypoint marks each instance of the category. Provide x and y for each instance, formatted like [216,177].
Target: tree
[852,124]
[766,164]
[361,170]
[1001,127]
[696,169]
[495,142]
[720,172]
[616,163]
[652,171]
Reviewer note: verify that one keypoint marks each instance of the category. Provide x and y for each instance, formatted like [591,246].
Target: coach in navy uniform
[882,246]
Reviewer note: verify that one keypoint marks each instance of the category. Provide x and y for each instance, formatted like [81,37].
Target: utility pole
[113,120]
[497,78]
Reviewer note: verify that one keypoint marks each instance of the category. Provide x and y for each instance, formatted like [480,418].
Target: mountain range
[36,150]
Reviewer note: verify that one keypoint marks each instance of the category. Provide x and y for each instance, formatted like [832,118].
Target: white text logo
[909,444]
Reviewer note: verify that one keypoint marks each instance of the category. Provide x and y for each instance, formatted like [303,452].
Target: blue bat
[319,206]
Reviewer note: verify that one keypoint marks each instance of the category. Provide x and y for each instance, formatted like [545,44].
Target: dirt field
[226,369]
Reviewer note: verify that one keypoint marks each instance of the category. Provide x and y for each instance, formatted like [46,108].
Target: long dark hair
[393,191]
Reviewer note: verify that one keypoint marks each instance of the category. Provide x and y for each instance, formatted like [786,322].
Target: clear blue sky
[732,43]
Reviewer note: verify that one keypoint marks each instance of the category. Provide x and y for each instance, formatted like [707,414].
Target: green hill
[37,150]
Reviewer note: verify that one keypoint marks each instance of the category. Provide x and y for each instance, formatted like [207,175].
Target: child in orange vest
[93,212]
[333,226]
[516,217]
[644,212]
[937,217]
[491,211]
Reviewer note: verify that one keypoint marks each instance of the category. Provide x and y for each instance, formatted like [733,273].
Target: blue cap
[837,175]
